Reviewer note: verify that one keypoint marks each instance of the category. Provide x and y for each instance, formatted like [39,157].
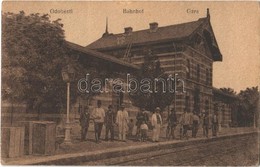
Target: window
[188,69]
[207,76]
[198,72]
[207,106]
[187,103]
[196,100]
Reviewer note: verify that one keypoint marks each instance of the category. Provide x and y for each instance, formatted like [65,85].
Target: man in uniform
[84,122]
[156,123]
[195,125]
[98,117]
[109,122]
[122,121]
[206,124]
[185,122]
[214,124]
[172,123]
[140,117]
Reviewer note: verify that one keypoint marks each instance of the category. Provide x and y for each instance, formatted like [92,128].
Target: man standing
[130,128]
[84,122]
[156,123]
[206,124]
[98,117]
[122,122]
[109,122]
[140,117]
[186,122]
[195,125]
[172,123]
[214,124]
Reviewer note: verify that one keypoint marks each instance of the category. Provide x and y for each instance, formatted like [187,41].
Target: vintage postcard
[130,83]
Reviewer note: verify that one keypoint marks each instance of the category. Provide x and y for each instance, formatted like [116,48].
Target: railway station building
[188,50]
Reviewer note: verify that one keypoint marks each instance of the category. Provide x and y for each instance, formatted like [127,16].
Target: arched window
[207,76]
[206,105]
[188,69]
[187,103]
[198,72]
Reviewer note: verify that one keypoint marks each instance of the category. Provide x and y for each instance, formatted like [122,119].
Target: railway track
[180,155]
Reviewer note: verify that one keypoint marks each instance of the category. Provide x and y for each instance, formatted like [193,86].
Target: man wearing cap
[214,123]
[98,117]
[156,123]
[195,124]
[122,121]
[206,124]
[186,121]
[84,122]
[109,122]
[172,123]
[140,117]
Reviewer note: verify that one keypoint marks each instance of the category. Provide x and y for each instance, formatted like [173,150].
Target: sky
[235,24]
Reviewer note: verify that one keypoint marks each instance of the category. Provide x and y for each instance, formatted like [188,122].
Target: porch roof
[98,55]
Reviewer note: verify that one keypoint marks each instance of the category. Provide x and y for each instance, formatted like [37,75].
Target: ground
[239,151]
[242,151]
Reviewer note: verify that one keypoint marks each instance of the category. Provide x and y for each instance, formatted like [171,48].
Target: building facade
[188,50]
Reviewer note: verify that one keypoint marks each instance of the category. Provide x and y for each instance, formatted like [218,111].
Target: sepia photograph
[130,83]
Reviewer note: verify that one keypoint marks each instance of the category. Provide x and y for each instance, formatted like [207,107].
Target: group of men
[120,119]
[142,122]
[101,118]
[191,121]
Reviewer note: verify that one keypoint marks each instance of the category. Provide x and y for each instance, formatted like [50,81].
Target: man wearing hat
[172,123]
[214,123]
[156,123]
[206,124]
[98,117]
[84,122]
[186,122]
[140,117]
[109,122]
[122,121]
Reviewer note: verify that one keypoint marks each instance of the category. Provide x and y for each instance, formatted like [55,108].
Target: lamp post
[68,76]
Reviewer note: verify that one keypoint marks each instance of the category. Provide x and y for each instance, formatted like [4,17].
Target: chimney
[106,32]
[208,15]
[128,30]
[153,27]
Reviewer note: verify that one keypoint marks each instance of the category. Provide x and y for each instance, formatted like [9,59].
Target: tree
[150,100]
[249,105]
[228,91]
[34,51]
[233,102]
